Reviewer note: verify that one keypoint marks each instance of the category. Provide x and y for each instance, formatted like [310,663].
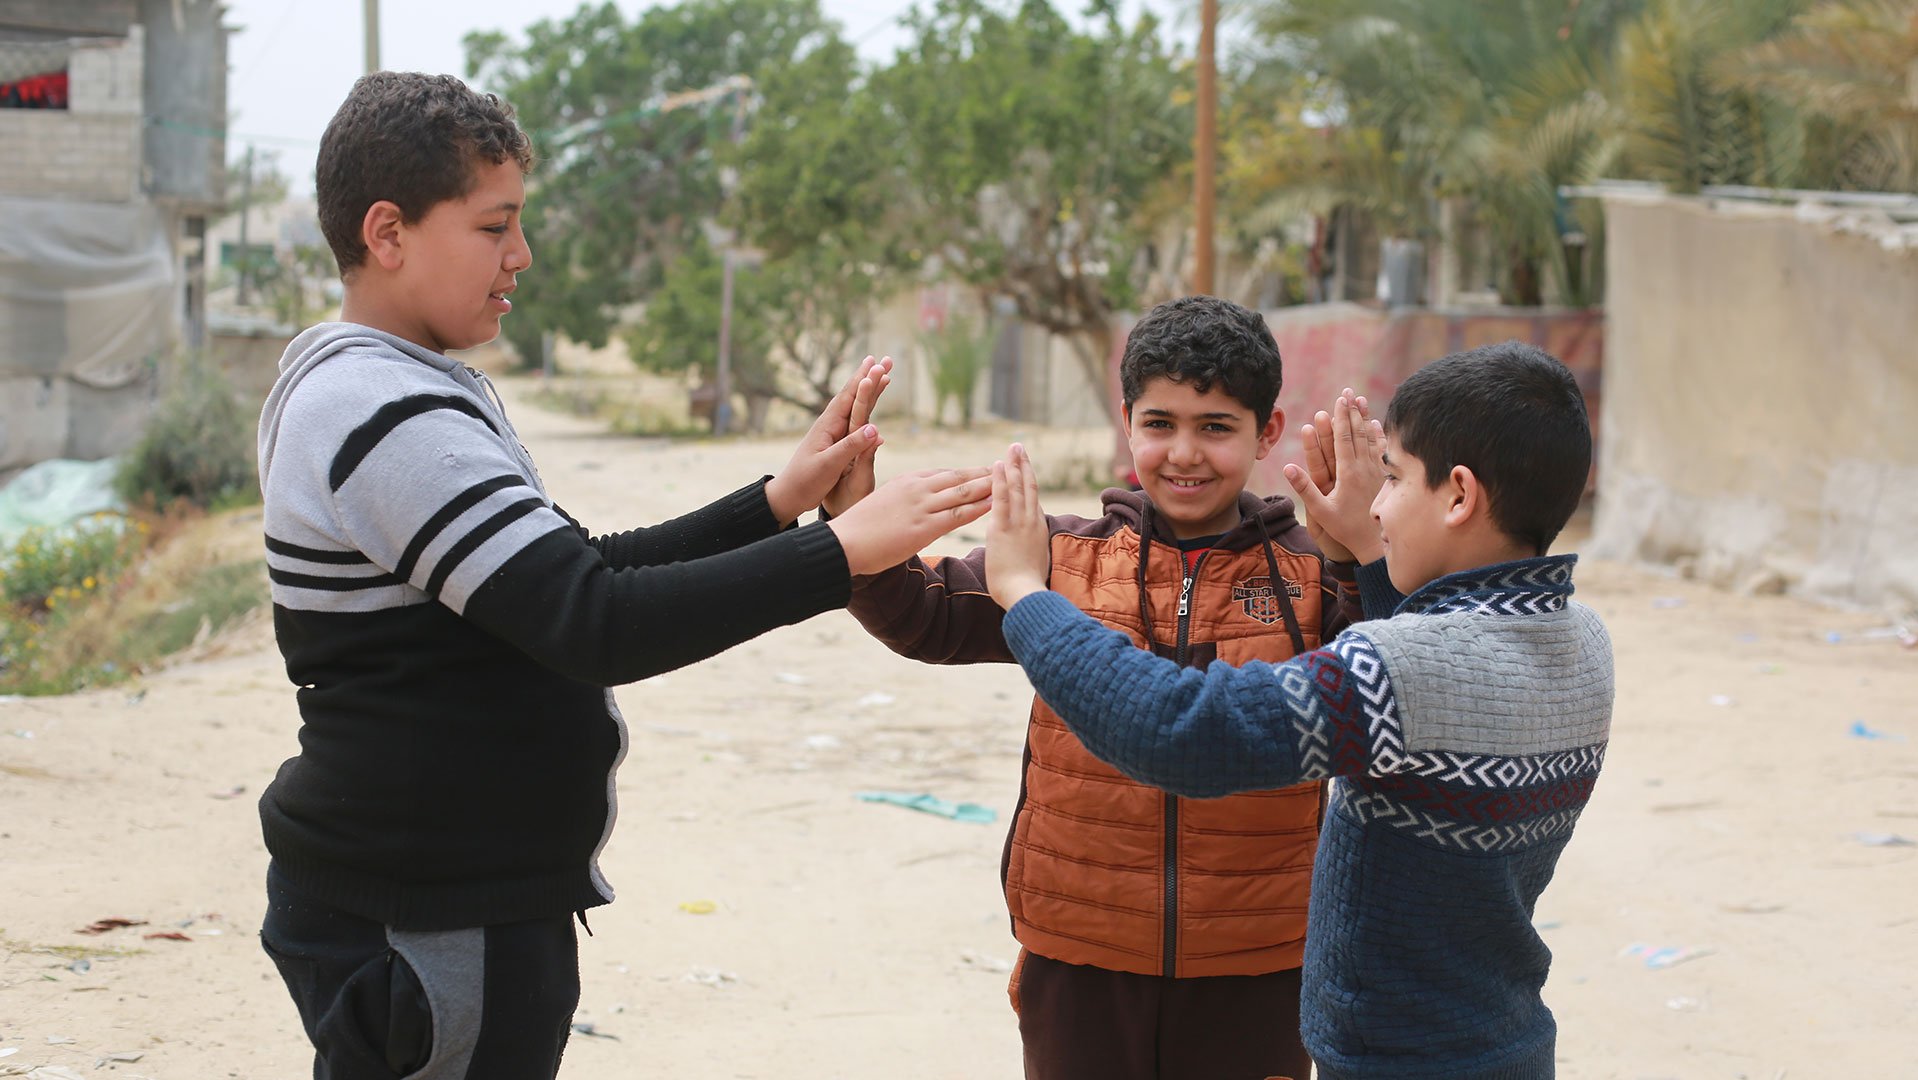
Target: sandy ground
[1734,823]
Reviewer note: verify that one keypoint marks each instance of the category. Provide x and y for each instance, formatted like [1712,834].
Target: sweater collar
[1523,587]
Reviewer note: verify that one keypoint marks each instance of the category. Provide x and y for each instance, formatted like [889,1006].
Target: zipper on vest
[1170,963]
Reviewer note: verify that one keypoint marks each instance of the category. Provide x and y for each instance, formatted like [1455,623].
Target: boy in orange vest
[1162,936]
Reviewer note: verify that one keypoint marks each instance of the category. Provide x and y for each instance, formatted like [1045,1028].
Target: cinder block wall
[90,150]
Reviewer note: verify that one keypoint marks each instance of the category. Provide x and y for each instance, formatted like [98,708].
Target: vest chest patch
[1256,598]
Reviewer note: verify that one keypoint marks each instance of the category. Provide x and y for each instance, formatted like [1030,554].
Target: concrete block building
[113,114]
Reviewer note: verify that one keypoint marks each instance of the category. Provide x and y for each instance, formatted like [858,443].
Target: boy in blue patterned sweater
[1465,723]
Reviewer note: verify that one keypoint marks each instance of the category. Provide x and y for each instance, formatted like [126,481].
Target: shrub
[50,564]
[197,447]
[961,352]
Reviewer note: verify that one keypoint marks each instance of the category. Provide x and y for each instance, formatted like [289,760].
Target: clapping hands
[1344,469]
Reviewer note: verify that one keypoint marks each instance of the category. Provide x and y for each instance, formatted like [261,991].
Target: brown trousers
[1087,1023]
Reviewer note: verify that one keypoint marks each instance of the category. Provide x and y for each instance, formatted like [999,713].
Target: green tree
[817,195]
[1030,153]
[680,327]
[631,119]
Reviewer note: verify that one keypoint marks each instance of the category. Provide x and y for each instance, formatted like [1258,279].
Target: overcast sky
[292,61]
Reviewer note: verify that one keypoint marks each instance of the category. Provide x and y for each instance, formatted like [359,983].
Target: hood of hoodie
[1275,513]
[327,341]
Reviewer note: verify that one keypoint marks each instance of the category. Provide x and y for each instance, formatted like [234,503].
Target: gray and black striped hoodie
[453,633]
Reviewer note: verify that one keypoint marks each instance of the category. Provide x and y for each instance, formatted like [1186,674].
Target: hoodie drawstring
[1145,598]
[1280,591]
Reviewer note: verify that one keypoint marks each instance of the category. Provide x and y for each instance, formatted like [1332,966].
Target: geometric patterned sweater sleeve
[1210,733]
[1453,683]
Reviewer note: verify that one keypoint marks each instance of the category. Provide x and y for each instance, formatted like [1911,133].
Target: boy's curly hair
[413,140]
[1203,341]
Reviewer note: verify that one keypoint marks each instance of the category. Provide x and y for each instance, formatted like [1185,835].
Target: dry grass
[200,575]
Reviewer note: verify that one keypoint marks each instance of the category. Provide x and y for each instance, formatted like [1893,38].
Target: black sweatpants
[1082,1023]
[489,1003]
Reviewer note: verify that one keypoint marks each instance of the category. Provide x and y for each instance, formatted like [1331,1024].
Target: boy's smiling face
[461,259]
[1194,452]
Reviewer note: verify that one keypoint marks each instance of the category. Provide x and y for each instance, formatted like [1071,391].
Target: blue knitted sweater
[1466,732]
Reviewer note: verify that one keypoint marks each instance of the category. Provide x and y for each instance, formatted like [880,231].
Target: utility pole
[1205,148]
[370,21]
[246,211]
[723,374]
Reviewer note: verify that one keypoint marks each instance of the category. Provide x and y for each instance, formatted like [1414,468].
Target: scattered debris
[1859,730]
[994,964]
[1658,958]
[233,792]
[80,966]
[101,926]
[1884,839]
[933,804]
[698,907]
[1684,1004]
[712,977]
[585,1027]
[126,1057]
[875,700]
[791,678]
[821,742]
[166,935]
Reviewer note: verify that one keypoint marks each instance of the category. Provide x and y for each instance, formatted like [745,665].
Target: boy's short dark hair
[413,140]
[1513,415]
[1201,341]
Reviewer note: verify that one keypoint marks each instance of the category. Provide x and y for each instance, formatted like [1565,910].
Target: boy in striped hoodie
[1464,723]
[453,632]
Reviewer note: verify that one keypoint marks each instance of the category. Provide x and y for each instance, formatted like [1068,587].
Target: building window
[44,91]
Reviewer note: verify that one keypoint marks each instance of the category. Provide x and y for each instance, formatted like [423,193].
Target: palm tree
[1852,64]
[1684,124]
[1494,101]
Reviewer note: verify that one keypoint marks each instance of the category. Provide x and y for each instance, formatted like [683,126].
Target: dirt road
[771,924]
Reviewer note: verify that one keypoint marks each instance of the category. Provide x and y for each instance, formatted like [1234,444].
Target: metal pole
[1205,148]
[246,211]
[370,20]
[723,376]
[723,381]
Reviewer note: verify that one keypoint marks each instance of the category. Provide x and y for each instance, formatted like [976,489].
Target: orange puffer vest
[1102,870]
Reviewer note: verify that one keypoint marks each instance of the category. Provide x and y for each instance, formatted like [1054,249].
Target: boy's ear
[382,231]
[1270,434]
[1466,497]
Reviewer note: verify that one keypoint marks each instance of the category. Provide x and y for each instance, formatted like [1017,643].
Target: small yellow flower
[88,583]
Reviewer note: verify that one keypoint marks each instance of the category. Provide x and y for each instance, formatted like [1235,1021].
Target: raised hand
[831,446]
[1018,543]
[908,512]
[1342,476]
[857,482]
